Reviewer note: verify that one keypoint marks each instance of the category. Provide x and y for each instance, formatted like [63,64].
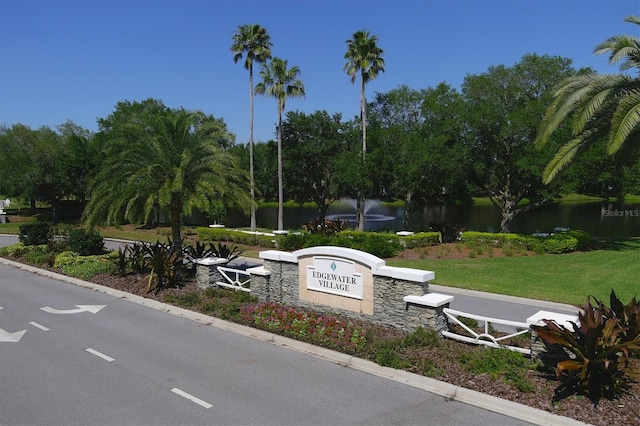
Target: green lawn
[566,278]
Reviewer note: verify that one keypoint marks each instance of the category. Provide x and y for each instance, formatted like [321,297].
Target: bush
[72,264]
[378,244]
[563,242]
[293,241]
[566,242]
[499,240]
[35,233]
[238,237]
[326,226]
[599,347]
[85,243]
[421,239]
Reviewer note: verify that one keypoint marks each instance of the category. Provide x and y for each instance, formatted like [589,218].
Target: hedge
[235,236]
[421,239]
[561,242]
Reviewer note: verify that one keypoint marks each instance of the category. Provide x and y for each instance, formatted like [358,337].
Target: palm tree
[255,42]
[178,165]
[280,83]
[596,106]
[363,57]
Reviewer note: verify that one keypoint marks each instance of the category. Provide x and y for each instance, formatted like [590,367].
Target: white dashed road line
[191,398]
[99,354]
[40,326]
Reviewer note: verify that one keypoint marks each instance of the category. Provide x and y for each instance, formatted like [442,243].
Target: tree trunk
[508,213]
[251,174]
[408,202]
[360,213]
[175,214]
[280,190]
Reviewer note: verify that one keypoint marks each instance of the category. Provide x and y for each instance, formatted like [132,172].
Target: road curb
[447,390]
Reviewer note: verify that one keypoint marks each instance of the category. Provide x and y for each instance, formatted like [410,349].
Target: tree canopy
[177,163]
[596,106]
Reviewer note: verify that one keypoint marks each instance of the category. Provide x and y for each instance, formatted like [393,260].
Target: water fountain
[372,221]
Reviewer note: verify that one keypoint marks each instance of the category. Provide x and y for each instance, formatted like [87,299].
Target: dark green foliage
[293,241]
[566,242]
[377,244]
[422,239]
[387,356]
[85,243]
[561,242]
[499,363]
[199,251]
[35,233]
[120,262]
[226,252]
[326,226]
[136,257]
[450,232]
[599,346]
[238,237]
[167,267]
[500,239]
[422,337]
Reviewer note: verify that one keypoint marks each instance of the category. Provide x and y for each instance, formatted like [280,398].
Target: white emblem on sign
[335,276]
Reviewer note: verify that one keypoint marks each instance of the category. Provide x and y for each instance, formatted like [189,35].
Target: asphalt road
[130,364]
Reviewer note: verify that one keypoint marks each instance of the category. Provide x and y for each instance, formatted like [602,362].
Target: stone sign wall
[348,282]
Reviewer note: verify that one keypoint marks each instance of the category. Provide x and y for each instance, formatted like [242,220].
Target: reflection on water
[601,219]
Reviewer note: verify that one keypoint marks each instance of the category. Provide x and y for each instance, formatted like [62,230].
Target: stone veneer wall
[279,281]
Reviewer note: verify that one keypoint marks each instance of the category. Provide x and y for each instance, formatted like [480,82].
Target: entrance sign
[336,276]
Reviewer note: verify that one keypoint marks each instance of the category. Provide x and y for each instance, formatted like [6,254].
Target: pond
[601,219]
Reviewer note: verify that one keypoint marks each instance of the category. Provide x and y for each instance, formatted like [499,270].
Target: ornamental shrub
[85,243]
[234,236]
[422,239]
[35,233]
[378,244]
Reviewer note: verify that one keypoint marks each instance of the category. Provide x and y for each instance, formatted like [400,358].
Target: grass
[566,278]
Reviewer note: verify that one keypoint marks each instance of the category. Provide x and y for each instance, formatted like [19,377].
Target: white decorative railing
[485,338]
[236,279]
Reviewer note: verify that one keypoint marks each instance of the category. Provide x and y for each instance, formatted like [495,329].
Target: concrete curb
[447,390]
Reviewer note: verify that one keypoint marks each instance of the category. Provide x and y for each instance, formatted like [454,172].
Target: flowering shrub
[322,329]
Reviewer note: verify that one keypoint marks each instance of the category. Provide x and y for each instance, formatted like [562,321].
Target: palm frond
[563,157]
[625,120]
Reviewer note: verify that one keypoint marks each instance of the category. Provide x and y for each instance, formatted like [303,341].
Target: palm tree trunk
[363,117]
[251,178]
[280,190]
[175,216]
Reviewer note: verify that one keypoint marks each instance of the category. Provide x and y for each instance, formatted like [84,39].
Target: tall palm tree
[596,106]
[178,165]
[253,42]
[280,83]
[363,57]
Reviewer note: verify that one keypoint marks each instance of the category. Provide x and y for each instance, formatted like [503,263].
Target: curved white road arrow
[11,337]
[81,308]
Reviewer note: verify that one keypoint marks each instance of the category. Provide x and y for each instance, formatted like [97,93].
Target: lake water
[601,219]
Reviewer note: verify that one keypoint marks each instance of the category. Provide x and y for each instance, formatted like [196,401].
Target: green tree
[364,57]
[415,145]
[45,165]
[312,145]
[503,109]
[596,106]
[254,43]
[281,83]
[177,164]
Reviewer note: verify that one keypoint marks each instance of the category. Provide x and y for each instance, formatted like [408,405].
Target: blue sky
[72,59]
